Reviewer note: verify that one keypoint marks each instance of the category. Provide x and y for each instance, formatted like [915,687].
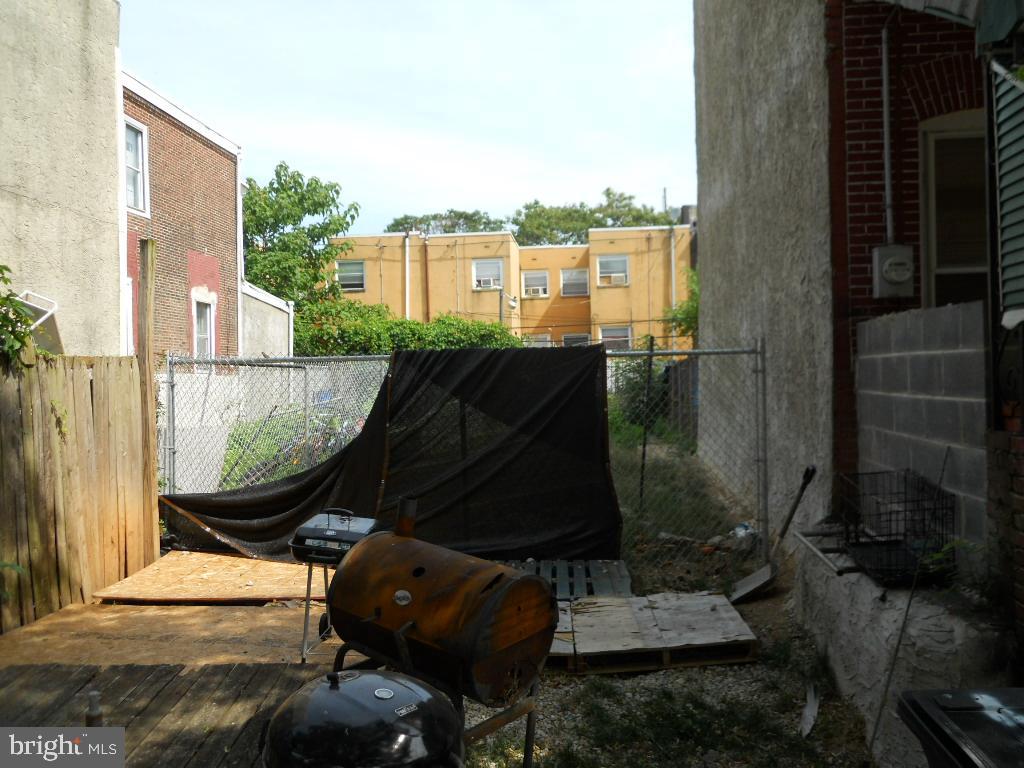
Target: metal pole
[501,306]
[172,448]
[305,415]
[761,386]
[646,417]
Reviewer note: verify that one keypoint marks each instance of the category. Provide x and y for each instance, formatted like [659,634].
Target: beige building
[615,289]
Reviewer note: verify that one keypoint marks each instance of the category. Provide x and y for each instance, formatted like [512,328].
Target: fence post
[761,409]
[172,478]
[147,388]
[646,417]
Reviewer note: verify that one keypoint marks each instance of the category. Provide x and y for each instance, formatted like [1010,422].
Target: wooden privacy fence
[77,482]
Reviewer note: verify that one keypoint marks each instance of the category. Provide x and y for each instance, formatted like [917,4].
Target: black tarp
[506,452]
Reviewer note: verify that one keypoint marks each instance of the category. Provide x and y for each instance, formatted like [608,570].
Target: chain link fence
[685,440]
[687,457]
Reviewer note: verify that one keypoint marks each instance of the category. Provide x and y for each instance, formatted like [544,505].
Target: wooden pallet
[616,634]
[576,579]
[175,715]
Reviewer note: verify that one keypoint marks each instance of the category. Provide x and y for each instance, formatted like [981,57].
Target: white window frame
[501,275]
[576,336]
[337,274]
[586,281]
[144,211]
[212,304]
[614,280]
[537,340]
[544,292]
[628,339]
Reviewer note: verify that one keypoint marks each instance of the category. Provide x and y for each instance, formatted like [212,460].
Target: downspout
[426,278]
[672,277]
[890,236]
[405,272]
[380,269]
[240,257]
[458,281]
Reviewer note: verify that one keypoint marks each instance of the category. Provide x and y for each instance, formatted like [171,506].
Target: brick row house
[859,185]
[182,188]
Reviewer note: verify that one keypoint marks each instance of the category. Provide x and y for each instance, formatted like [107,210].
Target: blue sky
[415,107]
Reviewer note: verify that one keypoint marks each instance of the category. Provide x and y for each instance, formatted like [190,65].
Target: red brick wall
[193,198]
[933,71]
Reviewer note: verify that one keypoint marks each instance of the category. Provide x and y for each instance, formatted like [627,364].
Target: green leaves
[451,221]
[346,327]
[288,227]
[683,317]
[14,325]
[539,224]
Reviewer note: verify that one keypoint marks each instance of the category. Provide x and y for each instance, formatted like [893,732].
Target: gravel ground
[736,715]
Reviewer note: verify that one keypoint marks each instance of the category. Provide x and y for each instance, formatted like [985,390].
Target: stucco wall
[266,329]
[58,163]
[762,121]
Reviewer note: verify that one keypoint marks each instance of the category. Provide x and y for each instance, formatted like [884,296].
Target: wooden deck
[175,715]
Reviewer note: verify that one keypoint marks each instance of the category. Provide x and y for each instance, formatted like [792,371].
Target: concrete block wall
[921,388]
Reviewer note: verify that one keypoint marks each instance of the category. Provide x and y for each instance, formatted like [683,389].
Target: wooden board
[200,577]
[165,634]
[178,716]
[658,631]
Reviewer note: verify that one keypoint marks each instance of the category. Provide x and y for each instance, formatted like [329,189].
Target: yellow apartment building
[615,289]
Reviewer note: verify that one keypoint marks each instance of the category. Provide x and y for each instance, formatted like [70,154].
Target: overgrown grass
[670,506]
[279,445]
[664,729]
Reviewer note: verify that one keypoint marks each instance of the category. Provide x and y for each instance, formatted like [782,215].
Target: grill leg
[326,632]
[305,622]
[531,728]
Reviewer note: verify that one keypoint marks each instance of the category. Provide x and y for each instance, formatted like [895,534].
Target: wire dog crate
[897,525]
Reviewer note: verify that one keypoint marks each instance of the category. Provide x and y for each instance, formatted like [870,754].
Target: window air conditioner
[485,282]
[618,279]
[536,291]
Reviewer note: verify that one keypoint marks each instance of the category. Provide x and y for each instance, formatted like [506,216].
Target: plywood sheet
[165,634]
[199,577]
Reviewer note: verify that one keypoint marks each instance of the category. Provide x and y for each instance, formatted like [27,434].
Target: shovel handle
[809,474]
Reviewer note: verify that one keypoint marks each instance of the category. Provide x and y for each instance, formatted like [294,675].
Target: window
[616,336]
[351,275]
[613,270]
[575,339]
[487,274]
[204,329]
[535,284]
[537,340]
[136,167]
[957,215]
[575,282]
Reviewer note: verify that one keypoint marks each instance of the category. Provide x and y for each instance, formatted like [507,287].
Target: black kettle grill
[365,719]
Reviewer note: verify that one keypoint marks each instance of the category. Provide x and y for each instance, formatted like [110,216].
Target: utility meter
[893,271]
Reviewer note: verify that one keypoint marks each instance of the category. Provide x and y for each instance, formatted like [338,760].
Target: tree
[539,224]
[288,227]
[451,221]
[14,326]
[683,317]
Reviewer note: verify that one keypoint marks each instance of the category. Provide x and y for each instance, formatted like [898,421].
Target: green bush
[14,325]
[346,327]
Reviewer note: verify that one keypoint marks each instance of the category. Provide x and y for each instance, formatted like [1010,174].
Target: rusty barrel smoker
[469,626]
